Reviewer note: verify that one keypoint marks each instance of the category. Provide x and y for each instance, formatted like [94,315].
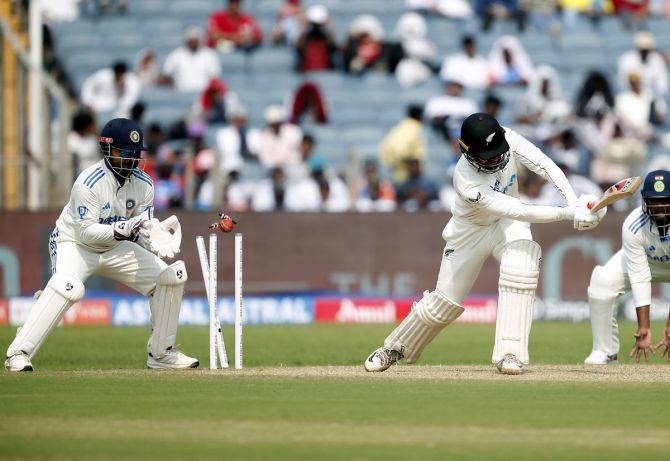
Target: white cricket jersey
[97,201]
[484,198]
[645,253]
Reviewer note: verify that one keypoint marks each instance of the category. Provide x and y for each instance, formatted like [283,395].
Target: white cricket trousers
[608,283]
[127,263]
[468,246]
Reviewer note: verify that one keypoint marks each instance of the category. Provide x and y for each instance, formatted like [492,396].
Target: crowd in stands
[608,131]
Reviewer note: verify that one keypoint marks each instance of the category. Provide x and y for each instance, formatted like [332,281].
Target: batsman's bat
[622,189]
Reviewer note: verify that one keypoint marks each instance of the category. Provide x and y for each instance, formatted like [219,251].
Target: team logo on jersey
[659,186]
[130,204]
[81,211]
[134,136]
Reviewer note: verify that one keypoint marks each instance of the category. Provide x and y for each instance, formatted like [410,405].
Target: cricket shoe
[601,358]
[18,362]
[382,359]
[173,359]
[510,365]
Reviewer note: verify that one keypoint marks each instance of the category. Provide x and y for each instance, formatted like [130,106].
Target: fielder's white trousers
[127,263]
[608,283]
[466,249]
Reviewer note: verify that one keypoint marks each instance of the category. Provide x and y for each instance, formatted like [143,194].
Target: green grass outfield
[304,396]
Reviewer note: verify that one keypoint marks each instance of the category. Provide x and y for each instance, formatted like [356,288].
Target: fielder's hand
[583,218]
[162,238]
[129,229]
[642,345]
[664,344]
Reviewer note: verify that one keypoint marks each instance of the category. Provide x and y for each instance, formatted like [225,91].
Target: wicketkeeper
[108,228]
[488,219]
[644,259]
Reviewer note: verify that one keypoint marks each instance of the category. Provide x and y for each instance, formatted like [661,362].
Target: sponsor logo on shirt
[498,184]
[111,219]
[107,206]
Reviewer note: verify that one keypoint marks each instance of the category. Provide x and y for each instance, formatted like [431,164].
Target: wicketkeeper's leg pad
[519,273]
[426,319]
[165,304]
[603,309]
[61,292]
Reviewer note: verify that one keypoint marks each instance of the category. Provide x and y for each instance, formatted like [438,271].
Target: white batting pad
[165,305]
[426,319]
[61,292]
[519,272]
[603,307]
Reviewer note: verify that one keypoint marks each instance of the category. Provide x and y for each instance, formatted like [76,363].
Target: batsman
[643,259]
[488,218]
[107,228]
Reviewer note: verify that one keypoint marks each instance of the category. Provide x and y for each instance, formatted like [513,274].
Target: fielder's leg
[607,284]
[426,319]
[61,292]
[519,272]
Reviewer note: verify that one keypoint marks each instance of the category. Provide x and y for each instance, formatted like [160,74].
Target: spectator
[447,112]
[83,143]
[564,148]
[508,63]
[417,66]
[316,47]
[374,193]
[404,141]
[365,49]
[454,9]
[633,13]
[467,66]
[232,29]
[191,67]
[620,157]
[335,196]
[211,106]
[488,10]
[146,68]
[417,192]
[650,65]
[289,23]
[543,104]
[595,96]
[308,105]
[314,161]
[111,90]
[279,142]
[269,193]
[233,143]
[633,109]
[492,105]
[168,192]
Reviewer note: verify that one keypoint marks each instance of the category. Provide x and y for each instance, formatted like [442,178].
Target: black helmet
[125,135]
[483,139]
[656,187]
